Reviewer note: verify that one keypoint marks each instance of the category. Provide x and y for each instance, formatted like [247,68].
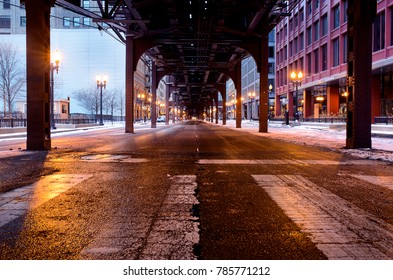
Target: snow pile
[382,148]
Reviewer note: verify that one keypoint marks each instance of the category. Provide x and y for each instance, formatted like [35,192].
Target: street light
[297,80]
[251,95]
[271,107]
[101,83]
[54,65]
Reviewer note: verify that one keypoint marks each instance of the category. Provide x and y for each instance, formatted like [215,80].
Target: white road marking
[284,161]
[171,235]
[340,229]
[18,202]
[385,181]
[175,232]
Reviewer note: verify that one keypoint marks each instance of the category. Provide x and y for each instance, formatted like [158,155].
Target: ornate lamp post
[297,81]
[54,66]
[101,83]
[251,95]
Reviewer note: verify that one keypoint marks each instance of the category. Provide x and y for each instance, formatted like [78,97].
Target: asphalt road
[193,190]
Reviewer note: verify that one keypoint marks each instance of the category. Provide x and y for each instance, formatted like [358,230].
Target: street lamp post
[54,66]
[251,95]
[297,80]
[271,108]
[101,83]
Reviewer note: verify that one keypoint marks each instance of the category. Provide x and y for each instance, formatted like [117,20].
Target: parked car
[161,119]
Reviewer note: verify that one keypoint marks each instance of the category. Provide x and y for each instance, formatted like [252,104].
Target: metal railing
[321,119]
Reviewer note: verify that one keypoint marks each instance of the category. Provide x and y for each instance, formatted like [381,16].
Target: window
[86,4]
[391,27]
[379,32]
[301,15]
[316,61]
[336,52]
[6,4]
[271,68]
[309,64]
[295,46]
[22,21]
[345,8]
[345,48]
[271,52]
[336,17]
[316,31]
[5,22]
[301,41]
[66,21]
[324,51]
[316,4]
[309,8]
[77,21]
[309,36]
[324,22]
[86,21]
[64,109]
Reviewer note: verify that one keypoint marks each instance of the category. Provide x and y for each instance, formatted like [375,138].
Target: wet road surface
[191,191]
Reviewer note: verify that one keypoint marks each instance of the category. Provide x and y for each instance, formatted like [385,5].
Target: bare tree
[121,101]
[89,99]
[12,76]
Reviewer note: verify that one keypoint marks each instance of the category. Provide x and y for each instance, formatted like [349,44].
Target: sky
[84,54]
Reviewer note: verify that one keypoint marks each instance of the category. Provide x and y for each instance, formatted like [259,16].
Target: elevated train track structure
[199,43]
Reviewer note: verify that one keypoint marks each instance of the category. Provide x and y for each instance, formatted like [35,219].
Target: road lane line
[175,232]
[18,202]
[385,181]
[340,229]
[171,234]
[284,162]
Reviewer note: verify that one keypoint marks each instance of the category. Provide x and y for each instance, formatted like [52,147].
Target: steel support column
[38,64]
[223,91]
[238,85]
[167,96]
[361,15]
[216,103]
[129,126]
[153,94]
[264,85]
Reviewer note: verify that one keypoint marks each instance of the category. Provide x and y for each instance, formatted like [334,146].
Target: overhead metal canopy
[196,41]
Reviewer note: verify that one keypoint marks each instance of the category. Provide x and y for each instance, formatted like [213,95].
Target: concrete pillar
[308,106]
[130,95]
[153,94]
[333,99]
[361,15]
[277,105]
[264,85]
[38,64]
[377,87]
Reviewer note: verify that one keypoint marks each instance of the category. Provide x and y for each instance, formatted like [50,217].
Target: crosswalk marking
[340,229]
[175,232]
[284,162]
[170,234]
[18,202]
[385,181]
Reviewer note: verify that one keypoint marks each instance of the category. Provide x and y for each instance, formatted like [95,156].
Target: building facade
[85,53]
[313,40]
